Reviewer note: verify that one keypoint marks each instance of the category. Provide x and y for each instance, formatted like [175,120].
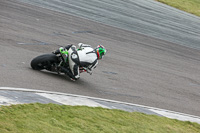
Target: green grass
[52,118]
[191,6]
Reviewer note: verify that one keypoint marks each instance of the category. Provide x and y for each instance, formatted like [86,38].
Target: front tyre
[44,61]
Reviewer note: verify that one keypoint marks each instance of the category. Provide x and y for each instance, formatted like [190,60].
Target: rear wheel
[44,61]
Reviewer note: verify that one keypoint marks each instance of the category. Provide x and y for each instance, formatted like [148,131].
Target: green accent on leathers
[64,53]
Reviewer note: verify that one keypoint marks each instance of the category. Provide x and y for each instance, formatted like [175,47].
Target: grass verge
[191,6]
[52,118]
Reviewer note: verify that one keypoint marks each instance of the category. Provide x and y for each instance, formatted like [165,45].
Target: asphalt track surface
[148,17]
[137,68]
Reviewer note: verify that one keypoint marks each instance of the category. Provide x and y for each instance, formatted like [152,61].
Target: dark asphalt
[137,69]
[148,17]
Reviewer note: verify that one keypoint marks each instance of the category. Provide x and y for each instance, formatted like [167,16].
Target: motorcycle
[55,62]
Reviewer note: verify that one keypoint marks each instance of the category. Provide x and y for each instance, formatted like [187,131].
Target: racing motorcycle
[55,62]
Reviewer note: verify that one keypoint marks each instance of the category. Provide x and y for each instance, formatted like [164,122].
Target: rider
[85,56]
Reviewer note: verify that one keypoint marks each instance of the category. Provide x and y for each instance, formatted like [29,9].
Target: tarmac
[9,96]
[136,69]
[148,17]
[158,73]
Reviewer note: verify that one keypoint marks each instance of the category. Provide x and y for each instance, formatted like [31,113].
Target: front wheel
[44,61]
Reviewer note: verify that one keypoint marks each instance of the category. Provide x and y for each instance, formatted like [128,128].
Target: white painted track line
[88,101]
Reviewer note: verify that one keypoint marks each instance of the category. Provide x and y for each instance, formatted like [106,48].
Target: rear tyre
[44,61]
